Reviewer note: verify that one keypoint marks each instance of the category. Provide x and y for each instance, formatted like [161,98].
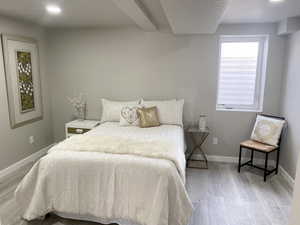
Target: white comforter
[112,187]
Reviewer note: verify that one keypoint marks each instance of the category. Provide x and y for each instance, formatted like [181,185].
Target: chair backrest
[271,116]
[279,118]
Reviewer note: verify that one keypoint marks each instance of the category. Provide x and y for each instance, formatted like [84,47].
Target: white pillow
[169,112]
[111,109]
[129,116]
[267,130]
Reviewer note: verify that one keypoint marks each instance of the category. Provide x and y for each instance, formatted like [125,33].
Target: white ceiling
[105,13]
[194,16]
[76,13]
[260,11]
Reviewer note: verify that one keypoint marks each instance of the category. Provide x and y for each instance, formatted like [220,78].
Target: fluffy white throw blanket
[119,145]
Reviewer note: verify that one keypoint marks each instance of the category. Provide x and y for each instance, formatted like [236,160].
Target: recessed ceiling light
[276,1]
[53,9]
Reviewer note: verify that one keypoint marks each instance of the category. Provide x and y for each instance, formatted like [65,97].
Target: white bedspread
[111,187]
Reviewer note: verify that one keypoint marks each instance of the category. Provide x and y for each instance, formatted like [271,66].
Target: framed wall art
[22,73]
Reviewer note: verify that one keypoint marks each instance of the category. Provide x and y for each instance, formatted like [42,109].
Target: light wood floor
[221,196]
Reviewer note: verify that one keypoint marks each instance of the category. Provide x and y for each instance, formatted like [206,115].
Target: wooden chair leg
[277,160]
[240,160]
[266,167]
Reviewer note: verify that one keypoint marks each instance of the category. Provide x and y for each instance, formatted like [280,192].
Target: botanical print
[22,80]
[25,79]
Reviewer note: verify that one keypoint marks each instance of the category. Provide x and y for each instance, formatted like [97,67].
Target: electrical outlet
[31,139]
[215,140]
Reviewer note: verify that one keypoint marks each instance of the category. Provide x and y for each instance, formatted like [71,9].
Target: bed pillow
[111,109]
[129,116]
[169,112]
[148,117]
[267,130]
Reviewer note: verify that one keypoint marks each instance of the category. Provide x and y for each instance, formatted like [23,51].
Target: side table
[197,137]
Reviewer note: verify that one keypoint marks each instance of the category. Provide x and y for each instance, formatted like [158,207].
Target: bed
[105,185]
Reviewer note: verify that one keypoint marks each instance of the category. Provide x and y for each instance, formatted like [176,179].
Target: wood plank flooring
[220,196]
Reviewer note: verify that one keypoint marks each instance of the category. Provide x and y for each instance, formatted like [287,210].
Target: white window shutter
[240,73]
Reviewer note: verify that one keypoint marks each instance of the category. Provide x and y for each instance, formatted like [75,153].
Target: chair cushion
[257,145]
[267,130]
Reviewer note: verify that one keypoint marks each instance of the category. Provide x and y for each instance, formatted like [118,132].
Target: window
[242,71]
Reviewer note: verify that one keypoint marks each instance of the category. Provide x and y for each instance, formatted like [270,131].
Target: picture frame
[22,74]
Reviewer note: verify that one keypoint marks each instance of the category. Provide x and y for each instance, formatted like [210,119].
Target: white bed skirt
[94,219]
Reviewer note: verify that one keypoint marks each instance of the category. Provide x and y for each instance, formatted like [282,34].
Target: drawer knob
[79,131]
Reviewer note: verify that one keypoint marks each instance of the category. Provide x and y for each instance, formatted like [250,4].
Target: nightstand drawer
[77,127]
[73,130]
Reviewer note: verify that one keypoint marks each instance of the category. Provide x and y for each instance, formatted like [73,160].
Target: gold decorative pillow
[148,117]
[267,130]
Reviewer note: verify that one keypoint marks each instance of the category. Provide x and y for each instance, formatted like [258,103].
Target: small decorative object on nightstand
[197,137]
[202,123]
[76,127]
[79,105]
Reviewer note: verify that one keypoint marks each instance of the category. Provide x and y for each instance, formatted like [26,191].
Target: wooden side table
[197,137]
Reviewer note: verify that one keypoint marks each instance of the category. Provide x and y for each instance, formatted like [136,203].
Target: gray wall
[128,64]
[14,142]
[290,105]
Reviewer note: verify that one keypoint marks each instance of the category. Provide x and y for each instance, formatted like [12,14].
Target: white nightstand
[77,127]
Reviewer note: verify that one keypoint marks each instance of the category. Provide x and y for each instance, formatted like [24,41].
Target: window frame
[260,75]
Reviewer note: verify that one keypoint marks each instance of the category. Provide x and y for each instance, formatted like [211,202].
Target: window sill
[239,110]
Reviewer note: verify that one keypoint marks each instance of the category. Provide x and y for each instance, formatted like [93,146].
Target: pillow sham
[129,116]
[267,130]
[111,109]
[169,112]
[148,117]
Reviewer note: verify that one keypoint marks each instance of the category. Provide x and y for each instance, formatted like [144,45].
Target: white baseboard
[218,158]
[286,176]
[14,168]
[230,159]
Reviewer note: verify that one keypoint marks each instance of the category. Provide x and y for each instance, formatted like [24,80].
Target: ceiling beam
[194,16]
[288,26]
[136,11]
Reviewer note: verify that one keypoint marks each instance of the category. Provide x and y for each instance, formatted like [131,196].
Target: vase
[81,112]
[202,123]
